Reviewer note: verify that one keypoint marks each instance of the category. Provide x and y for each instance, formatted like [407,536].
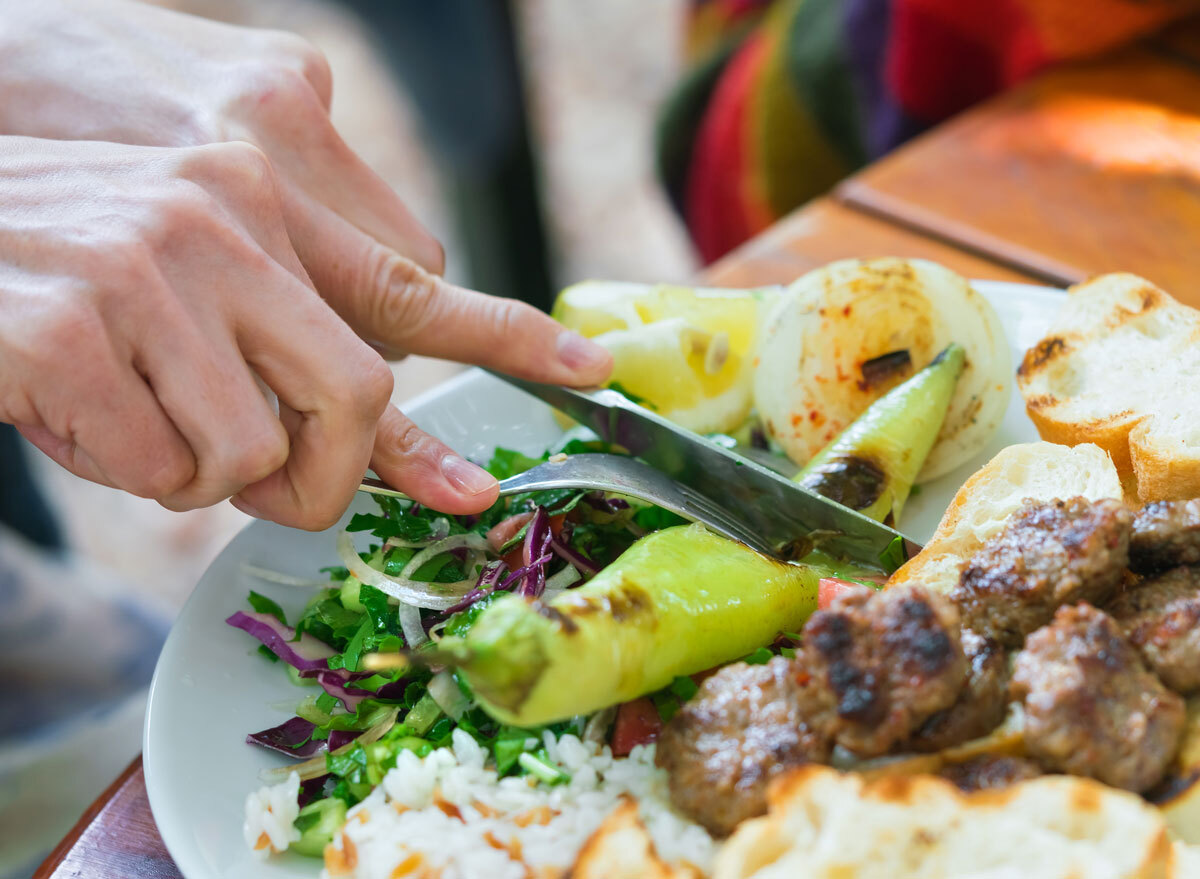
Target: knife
[786,515]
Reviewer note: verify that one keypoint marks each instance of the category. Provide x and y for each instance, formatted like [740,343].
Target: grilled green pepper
[679,601]
[870,466]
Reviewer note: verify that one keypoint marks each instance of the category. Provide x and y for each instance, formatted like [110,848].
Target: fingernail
[246,508]
[580,353]
[466,476]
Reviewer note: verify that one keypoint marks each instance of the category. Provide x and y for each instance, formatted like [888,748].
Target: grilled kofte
[747,724]
[1162,619]
[881,663]
[1091,706]
[981,702]
[1165,534]
[893,671]
[876,666]
[1050,554]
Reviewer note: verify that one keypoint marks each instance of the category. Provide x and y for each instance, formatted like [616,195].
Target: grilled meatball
[1091,706]
[980,706]
[989,772]
[884,662]
[747,724]
[1050,553]
[1165,534]
[1162,619]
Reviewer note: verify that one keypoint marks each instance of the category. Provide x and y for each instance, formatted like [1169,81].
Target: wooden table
[1086,170]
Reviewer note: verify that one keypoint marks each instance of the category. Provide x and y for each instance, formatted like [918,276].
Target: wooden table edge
[60,851]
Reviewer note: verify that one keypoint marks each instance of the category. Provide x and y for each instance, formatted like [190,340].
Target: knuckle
[280,87]
[168,475]
[257,457]
[373,386]
[508,316]
[404,301]
[316,517]
[245,167]
[179,212]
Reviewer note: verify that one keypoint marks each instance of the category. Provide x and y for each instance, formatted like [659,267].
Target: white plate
[211,689]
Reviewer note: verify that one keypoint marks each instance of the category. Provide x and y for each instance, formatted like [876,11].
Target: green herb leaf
[631,396]
[684,687]
[349,763]
[326,703]
[509,462]
[761,656]
[656,518]
[267,652]
[894,556]
[262,604]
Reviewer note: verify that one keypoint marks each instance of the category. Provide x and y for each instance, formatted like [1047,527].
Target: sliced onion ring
[410,625]
[444,690]
[435,596]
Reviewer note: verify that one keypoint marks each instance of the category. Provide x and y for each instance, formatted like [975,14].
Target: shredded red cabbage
[305,654]
[340,737]
[598,500]
[574,557]
[489,580]
[292,737]
[334,686]
[536,554]
[312,789]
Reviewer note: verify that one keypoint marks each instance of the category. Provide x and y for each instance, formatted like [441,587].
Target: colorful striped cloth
[783,98]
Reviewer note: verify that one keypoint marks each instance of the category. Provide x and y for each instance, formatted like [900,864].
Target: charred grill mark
[855,689]
[919,638]
[1041,354]
[857,693]
[853,481]
[885,367]
[556,616]
[623,604]
[1171,787]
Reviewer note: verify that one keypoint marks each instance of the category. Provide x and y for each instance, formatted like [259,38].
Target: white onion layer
[434,596]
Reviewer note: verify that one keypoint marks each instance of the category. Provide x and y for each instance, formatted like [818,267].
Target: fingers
[394,302]
[314,160]
[332,390]
[206,389]
[116,434]
[427,470]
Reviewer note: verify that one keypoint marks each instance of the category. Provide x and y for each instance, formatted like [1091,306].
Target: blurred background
[550,141]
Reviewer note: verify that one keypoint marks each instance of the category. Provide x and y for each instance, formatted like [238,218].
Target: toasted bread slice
[621,848]
[825,825]
[1042,471]
[1120,368]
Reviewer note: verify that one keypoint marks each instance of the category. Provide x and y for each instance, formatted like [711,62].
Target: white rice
[447,815]
[270,816]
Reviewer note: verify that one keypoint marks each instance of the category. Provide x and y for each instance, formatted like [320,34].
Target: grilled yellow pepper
[679,601]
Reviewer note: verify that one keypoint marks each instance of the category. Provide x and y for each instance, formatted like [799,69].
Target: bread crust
[1117,369]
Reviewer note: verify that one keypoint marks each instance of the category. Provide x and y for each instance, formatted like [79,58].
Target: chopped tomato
[829,589]
[506,529]
[637,723]
[556,524]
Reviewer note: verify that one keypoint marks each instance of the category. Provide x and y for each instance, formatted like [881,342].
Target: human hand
[141,291]
[131,73]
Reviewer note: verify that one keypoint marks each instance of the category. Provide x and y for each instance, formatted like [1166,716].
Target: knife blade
[782,512]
